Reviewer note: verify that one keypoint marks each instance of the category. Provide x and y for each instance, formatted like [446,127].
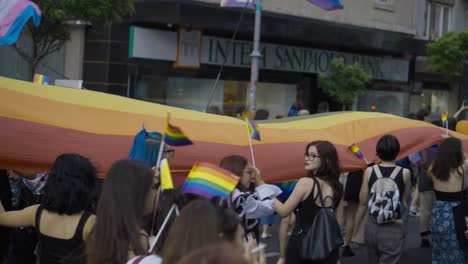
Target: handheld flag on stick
[253,133]
[355,149]
[327,4]
[445,122]
[208,180]
[252,127]
[174,136]
[166,177]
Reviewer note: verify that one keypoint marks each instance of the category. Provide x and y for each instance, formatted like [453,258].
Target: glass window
[438,20]
[229,98]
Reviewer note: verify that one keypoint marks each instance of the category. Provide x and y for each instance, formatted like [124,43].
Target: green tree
[449,55]
[53,31]
[343,82]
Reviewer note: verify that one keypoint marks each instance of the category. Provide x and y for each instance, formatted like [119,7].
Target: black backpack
[324,235]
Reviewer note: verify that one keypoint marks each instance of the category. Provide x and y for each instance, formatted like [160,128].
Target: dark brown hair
[195,227]
[119,213]
[329,169]
[236,165]
[448,157]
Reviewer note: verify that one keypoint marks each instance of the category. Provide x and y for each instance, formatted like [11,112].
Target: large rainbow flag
[39,122]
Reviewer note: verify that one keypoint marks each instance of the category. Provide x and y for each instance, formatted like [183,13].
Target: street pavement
[412,253]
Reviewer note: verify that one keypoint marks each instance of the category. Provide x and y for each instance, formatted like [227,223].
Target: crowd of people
[68,215]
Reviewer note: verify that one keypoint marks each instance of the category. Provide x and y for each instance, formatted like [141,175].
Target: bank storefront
[179,68]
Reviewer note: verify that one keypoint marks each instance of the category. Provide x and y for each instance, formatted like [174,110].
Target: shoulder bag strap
[395,172]
[322,203]
[377,171]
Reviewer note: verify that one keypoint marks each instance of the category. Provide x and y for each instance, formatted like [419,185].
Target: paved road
[412,253]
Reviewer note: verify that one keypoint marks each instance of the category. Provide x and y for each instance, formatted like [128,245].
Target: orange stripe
[217,172]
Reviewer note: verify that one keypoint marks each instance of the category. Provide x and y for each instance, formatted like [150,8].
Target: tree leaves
[343,82]
[449,55]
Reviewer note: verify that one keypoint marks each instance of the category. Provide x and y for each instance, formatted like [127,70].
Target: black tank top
[54,250]
[307,209]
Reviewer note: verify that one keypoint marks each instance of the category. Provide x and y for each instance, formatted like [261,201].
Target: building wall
[397,15]
[460,17]
[12,65]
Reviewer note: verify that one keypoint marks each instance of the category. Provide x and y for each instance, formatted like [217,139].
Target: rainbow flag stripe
[252,129]
[355,149]
[208,180]
[175,137]
[104,141]
[444,119]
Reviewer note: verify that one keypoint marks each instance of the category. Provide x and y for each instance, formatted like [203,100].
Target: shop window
[438,20]
[230,97]
[436,101]
[395,103]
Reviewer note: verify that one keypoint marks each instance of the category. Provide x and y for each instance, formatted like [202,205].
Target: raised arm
[364,193]
[301,188]
[21,218]
[462,108]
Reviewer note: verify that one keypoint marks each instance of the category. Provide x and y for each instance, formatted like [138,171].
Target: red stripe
[31,146]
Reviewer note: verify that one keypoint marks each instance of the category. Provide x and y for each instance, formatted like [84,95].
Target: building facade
[172,52]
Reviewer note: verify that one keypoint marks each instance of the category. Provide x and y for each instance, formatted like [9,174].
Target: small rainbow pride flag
[444,120]
[175,137]
[41,79]
[208,180]
[355,149]
[252,129]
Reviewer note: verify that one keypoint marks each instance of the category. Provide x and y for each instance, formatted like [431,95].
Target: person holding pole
[250,203]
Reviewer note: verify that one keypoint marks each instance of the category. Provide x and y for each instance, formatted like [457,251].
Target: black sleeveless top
[306,210]
[450,196]
[54,250]
[386,172]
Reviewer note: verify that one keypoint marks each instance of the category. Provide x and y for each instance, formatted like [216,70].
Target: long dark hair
[236,165]
[119,213]
[329,169]
[70,186]
[195,227]
[448,157]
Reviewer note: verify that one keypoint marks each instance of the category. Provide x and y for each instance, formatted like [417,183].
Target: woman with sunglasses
[128,193]
[250,203]
[323,170]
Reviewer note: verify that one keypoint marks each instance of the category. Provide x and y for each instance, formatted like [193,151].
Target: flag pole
[256,55]
[366,160]
[155,241]
[251,151]
[161,147]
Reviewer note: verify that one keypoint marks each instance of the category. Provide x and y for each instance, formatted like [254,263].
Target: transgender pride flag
[327,4]
[14,14]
